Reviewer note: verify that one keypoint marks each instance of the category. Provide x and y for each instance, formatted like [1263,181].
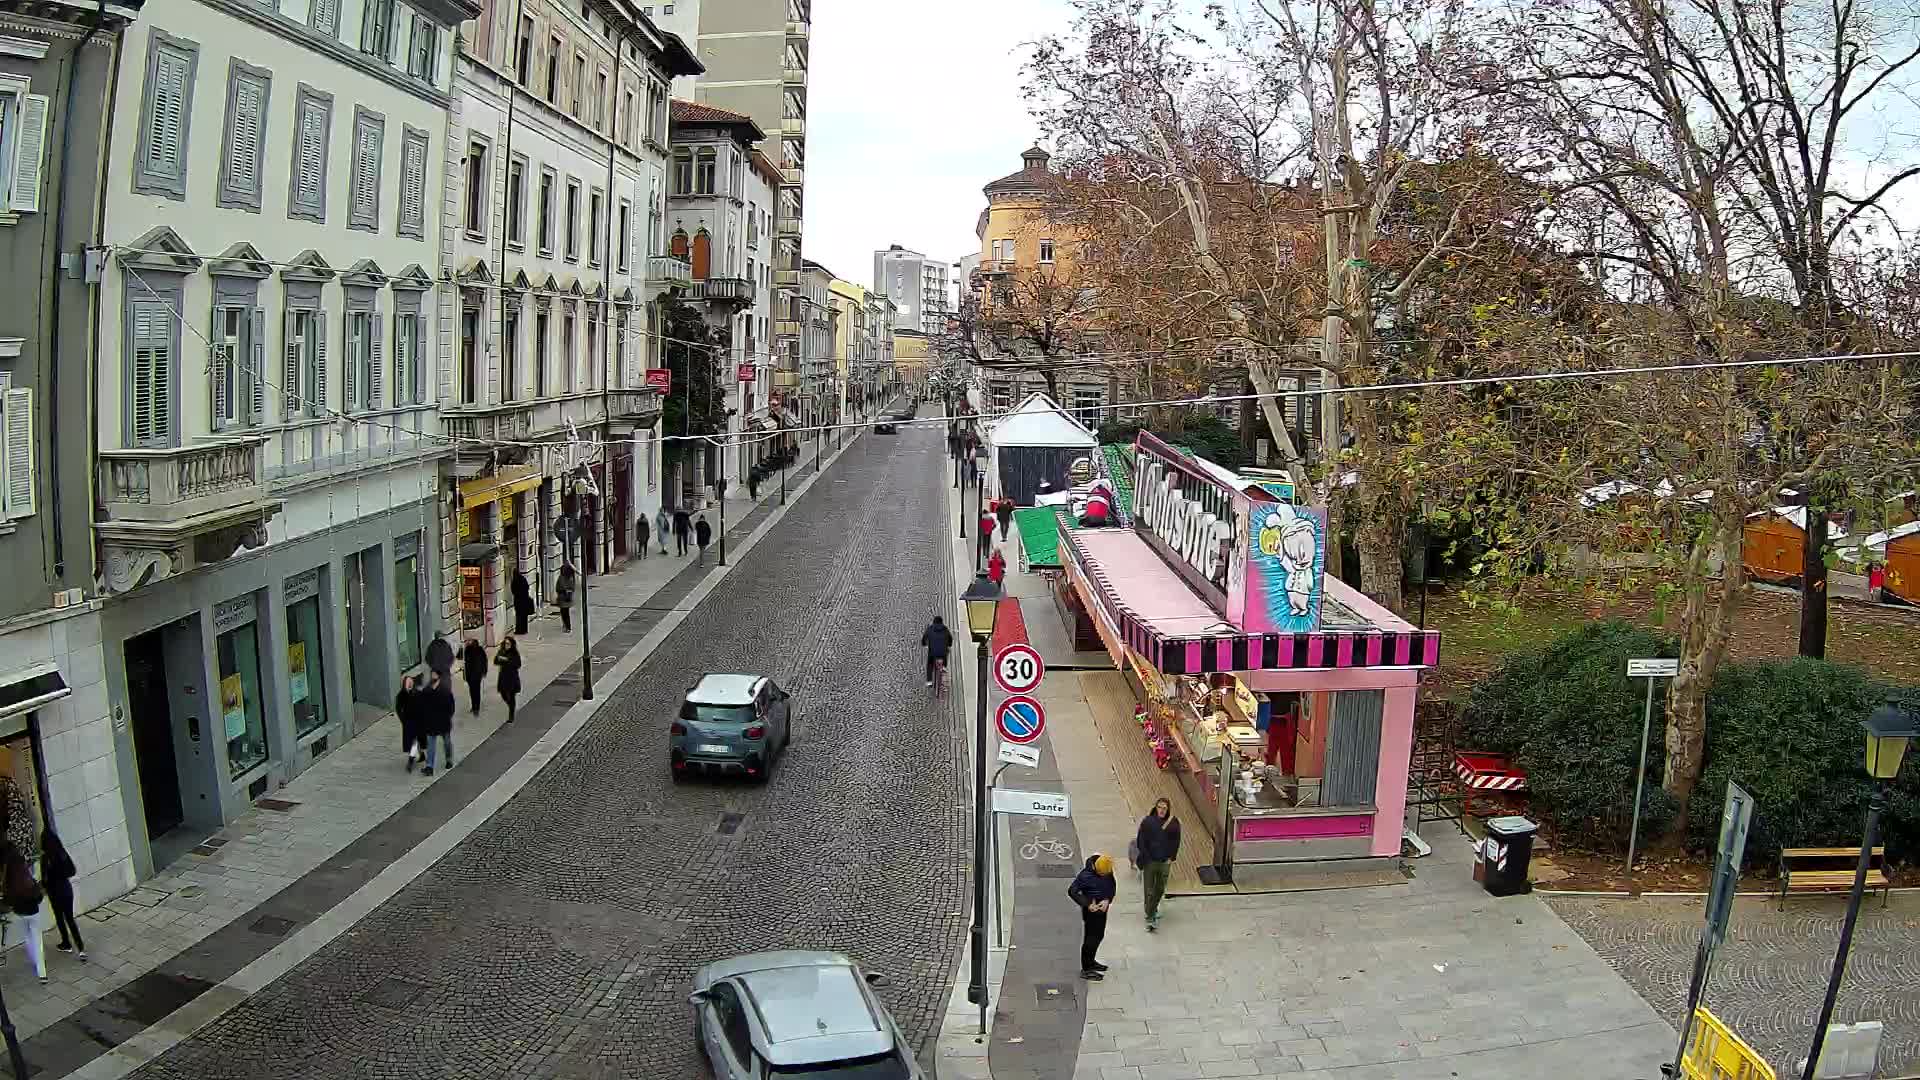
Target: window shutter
[256,380]
[326,16]
[169,112]
[219,361]
[318,404]
[244,173]
[19,452]
[30,150]
[366,172]
[413,185]
[149,405]
[1353,748]
[377,369]
[290,369]
[352,336]
[312,151]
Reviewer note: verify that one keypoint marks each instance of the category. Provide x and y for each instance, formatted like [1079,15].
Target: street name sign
[1034,803]
[1018,669]
[1020,719]
[1015,754]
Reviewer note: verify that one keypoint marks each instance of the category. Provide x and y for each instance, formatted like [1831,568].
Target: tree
[695,351]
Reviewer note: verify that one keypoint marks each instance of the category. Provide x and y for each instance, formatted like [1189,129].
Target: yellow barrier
[1714,1052]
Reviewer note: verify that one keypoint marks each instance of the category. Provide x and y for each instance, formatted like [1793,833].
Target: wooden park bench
[1830,869]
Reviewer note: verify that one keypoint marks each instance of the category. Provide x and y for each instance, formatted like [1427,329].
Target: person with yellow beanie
[1093,889]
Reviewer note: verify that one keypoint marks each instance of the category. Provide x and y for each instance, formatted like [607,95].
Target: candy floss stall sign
[1254,556]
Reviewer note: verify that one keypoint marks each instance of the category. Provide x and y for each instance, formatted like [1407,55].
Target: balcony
[166,511]
[792,176]
[786,328]
[793,127]
[638,407]
[787,279]
[785,380]
[505,422]
[798,31]
[787,227]
[794,76]
[728,291]
[666,273]
[996,267]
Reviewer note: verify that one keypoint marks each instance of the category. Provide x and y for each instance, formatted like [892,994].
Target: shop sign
[238,611]
[1034,803]
[303,586]
[660,379]
[1278,579]
[506,509]
[471,595]
[748,373]
[464,521]
[1188,512]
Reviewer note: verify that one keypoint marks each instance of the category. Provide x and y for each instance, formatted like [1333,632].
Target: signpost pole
[977,933]
[586,626]
[1640,777]
[1734,820]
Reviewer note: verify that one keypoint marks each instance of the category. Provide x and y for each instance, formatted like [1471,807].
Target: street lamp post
[982,600]
[581,489]
[980,515]
[720,491]
[1889,727]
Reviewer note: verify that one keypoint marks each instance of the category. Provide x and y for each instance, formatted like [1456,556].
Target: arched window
[678,248]
[702,254]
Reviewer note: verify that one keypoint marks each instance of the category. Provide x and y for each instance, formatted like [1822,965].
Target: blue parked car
[731,724]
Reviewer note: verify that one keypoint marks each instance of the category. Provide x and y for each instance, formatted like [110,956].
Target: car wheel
[679,775]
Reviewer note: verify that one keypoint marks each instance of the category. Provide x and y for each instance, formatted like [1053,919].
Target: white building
[918,287]
[553,212]
[270,361]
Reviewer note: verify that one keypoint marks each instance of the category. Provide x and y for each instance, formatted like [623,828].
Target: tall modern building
[917,286]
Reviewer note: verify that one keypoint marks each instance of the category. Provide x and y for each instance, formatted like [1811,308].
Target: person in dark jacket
[641,531]
[473,664]
[1003,509]
[1093,889]
[56,877]
[508,661]
[406,705]
[436,718]
[702,535]
[563,595]
[522,602]
[938,640]
[986,533]
[682,530]
[1155,845]
[440,655]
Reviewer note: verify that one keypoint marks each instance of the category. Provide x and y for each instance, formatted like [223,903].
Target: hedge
[1787,731]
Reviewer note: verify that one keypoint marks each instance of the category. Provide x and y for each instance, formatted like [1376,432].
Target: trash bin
[1509,848]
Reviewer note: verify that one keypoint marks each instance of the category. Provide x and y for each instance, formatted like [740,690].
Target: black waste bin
[1508,850]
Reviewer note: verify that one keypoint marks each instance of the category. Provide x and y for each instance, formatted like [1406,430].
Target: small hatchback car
[792,1014]
[731,724]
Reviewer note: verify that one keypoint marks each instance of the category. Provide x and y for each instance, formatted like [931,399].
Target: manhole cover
[272,926]
[190,892]
[276,805]
[1054,995]
[146,897]
[205,850]
[1056,870]
[730,823]
[395,994]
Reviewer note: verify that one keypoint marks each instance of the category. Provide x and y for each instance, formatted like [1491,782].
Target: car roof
[725,689]
[813,1007]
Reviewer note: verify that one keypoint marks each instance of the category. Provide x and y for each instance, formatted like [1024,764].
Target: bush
[1787,731]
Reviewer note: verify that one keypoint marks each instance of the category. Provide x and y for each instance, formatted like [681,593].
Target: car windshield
[716,714]
[877,1067]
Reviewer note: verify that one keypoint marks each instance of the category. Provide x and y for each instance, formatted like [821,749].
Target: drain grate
[395,994]
[272,926]
[730,823]
[280,806]
[1056,870]
[1054,995]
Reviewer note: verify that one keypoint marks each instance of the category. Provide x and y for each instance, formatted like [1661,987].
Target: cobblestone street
[558,939]
[1769,977]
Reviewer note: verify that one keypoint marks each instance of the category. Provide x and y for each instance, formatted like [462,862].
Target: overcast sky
[911,108]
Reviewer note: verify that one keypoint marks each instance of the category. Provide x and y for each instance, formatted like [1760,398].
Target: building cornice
[275,23]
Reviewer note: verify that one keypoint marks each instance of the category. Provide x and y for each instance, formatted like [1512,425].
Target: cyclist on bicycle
[937,639]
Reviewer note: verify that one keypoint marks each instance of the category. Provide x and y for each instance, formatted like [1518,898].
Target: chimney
[1036,159]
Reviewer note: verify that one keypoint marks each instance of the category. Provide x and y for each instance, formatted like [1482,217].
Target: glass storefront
[240,700]
[406,608]
[306,666]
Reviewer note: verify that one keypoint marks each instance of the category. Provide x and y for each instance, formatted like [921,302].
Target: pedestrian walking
[1093,889]
[1154,847]
[753,484]
[473,664]
[23,896]
[997,567]
[682,530]
[640,530]
[563,595]
[56,877]
[522,602]
[986,534]
[440,655]
[703,535]
[662,525]
[436,719]
[508,661]
[406,705]
[1003,510]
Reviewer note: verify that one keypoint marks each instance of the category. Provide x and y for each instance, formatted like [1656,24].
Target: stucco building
[918,287]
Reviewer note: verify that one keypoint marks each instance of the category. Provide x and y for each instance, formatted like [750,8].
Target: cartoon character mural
[1285,560]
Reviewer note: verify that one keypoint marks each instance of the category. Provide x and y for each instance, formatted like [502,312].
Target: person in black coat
[563,586]
[436,707]
[641,530]
[473,664]
[1093,889]
[682,530]
[56,877]
[508,661]
[702,535]
[522,602]
[440,655]
[1154,846]
[406,705]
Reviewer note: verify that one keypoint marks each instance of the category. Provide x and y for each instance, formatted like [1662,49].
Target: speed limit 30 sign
[1018,669]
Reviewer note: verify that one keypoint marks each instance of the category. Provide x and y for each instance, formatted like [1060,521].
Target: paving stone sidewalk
[343,797]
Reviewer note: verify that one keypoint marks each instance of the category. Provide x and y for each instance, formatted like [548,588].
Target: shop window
[406,608]
[306,667]
[241,716]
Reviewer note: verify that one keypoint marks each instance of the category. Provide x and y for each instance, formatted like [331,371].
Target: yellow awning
[486,489]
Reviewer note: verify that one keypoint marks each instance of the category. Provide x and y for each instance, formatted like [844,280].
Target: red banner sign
[660,379]
[748,373]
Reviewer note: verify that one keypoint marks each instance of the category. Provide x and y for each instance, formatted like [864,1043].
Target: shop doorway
[165,710]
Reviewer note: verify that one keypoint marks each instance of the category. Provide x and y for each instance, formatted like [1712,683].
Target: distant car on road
[731,724]
[885,427]
[781,1014]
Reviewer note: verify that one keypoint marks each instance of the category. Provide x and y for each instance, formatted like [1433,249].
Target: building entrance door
[153,733]
[172,742]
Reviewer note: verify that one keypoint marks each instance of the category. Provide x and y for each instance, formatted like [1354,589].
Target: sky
[911,108]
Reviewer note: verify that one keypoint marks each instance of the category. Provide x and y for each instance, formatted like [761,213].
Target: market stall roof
[1040,421]
[1157,615]
[1039,536]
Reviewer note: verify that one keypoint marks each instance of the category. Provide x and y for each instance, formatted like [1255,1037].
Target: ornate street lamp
[982,600]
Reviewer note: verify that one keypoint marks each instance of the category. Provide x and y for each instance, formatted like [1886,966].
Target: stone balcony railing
[640,406]
[181,483]
[727,290]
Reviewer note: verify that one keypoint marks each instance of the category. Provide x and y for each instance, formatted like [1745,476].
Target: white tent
[1037,440]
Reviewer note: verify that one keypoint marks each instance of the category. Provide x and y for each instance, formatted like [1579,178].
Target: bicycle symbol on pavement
[1048,846]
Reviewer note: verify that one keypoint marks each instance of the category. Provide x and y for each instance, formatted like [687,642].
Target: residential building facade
[554,219]
[918,287]
[269,360]
[852,346]
[813,316]
[58,745]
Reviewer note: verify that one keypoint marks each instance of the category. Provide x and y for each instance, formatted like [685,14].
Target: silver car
[731,724]
[796,1014]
